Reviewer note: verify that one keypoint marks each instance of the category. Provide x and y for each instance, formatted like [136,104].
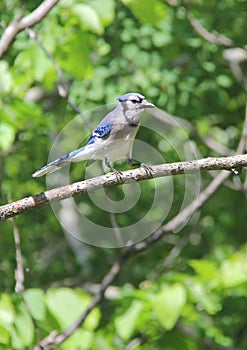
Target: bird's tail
[58,163]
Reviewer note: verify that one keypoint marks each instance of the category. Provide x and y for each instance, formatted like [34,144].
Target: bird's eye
[135,101]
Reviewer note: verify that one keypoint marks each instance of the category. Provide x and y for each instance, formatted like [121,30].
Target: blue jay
[112,139]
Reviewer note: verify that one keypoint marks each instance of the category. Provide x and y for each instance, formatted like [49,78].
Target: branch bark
[54,339]
[19,24]
[215,38]
[109,180]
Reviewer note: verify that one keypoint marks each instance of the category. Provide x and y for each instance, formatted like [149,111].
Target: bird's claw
[118,174]
[147,168]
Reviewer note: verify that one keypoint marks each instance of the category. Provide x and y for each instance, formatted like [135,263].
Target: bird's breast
[125,131]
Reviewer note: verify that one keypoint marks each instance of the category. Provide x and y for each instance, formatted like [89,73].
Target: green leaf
[64,305]
[40,63]
[218,335]
[88,17]
[74,54]
[126,323]
[201,294]
[173,340]
[7,313]
[35,301]
[234,272]
[92,320]
[224,81]
[6,78]
[105,10]
[80,340]
[168,305]
[99,342]
[7,136]
[207,270]
[4,336]
[34,60]
[152,11]
[22,333]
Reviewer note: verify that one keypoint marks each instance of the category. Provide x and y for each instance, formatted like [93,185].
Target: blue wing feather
[100,132]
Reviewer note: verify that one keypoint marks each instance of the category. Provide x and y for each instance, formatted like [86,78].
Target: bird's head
[133,104]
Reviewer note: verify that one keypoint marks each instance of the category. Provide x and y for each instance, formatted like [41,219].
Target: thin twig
[211,143]
[20,276]
[116,228]
[136,342]
[242,146]
[169,259]
[107,280]
[196,204]
[235,57]
[19,272]
[216,38]
[211,188]
[19,24]
[109,180]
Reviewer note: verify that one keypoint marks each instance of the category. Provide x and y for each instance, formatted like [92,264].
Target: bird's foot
[118,174]
[132,162]
[147,168]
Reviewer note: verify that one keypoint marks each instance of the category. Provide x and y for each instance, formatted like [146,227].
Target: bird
[111,140]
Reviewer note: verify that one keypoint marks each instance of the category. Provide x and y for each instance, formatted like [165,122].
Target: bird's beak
[146,104]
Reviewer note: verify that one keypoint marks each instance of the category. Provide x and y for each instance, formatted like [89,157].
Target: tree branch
[109,180]
[19,24]
[211,143]
[54,339]
[215,38]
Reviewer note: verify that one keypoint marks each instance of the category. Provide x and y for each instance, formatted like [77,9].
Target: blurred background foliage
[195,300]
